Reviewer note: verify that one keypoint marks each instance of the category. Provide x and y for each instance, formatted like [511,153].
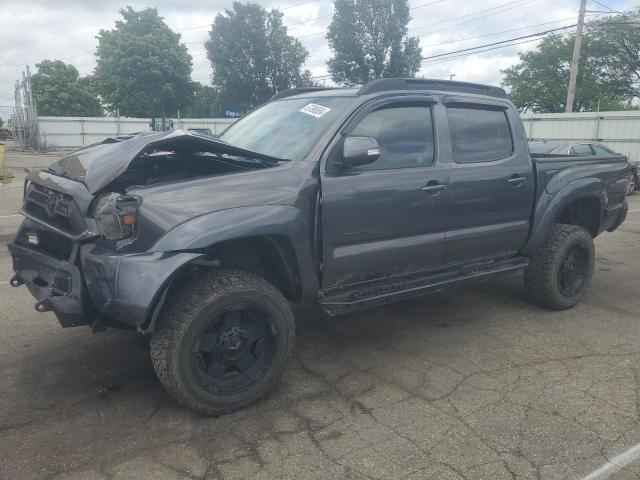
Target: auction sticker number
[315,110]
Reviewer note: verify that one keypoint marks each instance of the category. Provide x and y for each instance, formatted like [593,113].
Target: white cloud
[39,29]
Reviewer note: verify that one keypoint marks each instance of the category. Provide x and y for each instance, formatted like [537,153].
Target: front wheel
[222,341]
[559,274]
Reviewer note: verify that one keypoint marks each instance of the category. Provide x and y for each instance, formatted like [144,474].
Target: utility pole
[571,93]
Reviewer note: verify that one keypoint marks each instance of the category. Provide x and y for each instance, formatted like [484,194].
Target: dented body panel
[126,287]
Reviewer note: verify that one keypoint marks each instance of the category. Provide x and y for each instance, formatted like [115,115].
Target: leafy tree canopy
[58,90]
[142,68]
[620,34]
[204,104]
[252,56]
[369,40]
[608,71]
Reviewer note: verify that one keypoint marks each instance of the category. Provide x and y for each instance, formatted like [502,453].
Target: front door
[385,219]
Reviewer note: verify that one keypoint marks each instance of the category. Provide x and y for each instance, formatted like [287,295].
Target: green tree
[369,40]
[252,56]
[608,71]
[621,36]
[142,68]
[204,104]
[58,91]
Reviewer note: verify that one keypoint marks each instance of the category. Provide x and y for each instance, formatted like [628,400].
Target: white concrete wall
[620,131]
[64,132]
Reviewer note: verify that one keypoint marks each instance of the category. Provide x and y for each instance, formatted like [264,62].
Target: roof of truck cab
[329,92]
[397,85]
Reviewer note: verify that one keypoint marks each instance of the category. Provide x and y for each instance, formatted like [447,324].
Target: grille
[53,208]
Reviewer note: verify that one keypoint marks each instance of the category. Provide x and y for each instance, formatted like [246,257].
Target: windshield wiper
[264,162]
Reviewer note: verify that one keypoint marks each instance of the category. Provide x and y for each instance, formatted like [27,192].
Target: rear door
[385,219]
[492,185]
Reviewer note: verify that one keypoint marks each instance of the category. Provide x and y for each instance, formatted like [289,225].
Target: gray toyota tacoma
[342,198]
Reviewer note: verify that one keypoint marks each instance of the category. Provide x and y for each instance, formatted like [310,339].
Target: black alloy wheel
[234,350]
[574,270]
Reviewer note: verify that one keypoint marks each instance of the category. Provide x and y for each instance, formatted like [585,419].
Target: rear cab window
[581,149]
[479,133]
[602,151]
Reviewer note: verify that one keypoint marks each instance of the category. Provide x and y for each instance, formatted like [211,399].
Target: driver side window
[404,134]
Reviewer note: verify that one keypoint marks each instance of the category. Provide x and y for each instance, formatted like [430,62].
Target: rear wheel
[222,341]
[559,274]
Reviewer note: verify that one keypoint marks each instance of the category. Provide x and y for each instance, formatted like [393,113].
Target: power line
[500,8]
[472,49]
[508,6]
[427,4]
[492,34]
[607,7]
[297,5]
[453,57]
[307,21]
[502,46]
[538,34]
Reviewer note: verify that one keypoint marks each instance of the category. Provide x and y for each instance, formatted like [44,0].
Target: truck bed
[554,171]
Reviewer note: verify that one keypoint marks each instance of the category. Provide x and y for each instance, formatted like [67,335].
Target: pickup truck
[344,198]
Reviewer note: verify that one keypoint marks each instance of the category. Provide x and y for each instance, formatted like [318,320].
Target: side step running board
[381,294]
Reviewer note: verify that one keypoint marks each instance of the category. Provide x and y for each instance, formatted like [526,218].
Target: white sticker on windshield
[315,110]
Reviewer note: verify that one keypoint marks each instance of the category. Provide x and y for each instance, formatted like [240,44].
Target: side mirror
[359,151]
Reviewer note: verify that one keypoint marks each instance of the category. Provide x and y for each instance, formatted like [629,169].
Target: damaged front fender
[128,287]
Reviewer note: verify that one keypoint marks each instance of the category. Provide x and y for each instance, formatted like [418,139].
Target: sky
[34,30]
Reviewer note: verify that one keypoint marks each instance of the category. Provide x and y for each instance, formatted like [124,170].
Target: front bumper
[57,285]
[84,284]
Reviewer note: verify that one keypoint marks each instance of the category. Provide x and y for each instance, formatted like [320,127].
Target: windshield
[287,128]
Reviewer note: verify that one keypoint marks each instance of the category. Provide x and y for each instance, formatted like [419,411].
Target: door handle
[434,188]
[517,181]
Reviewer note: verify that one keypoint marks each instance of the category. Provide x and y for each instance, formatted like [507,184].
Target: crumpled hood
[167,205]
[99,165]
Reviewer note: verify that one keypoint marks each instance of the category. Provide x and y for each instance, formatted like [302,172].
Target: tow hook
[16,281]
[43,306]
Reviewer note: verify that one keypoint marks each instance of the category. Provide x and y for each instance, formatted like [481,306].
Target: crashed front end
[86,247]
[59,255]
[74,249]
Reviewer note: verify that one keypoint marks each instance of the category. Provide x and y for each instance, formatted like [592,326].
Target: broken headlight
[115,216]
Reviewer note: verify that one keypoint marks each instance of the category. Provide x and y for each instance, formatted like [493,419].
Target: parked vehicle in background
[344,198]
[570,147]
[634,176]
[202,131]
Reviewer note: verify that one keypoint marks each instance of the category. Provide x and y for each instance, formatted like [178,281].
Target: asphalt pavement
[473,383]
